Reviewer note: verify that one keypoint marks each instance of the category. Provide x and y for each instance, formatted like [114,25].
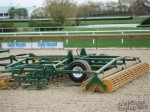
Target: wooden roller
[118,79]
[121,78]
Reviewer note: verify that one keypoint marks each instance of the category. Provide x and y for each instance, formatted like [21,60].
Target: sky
[30,3]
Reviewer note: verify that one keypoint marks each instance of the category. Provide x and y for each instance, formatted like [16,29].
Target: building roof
[5,9]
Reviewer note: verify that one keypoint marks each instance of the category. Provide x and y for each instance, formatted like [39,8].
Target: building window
[1,15]
[5,14]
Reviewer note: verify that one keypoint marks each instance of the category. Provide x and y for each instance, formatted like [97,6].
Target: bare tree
[126,2]
[146,4]
[140,7]
[111,7]
[96,8]
[84,11]
[63,11]
[39,12]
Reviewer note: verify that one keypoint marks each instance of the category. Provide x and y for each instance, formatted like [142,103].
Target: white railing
[72,28]
[67,33]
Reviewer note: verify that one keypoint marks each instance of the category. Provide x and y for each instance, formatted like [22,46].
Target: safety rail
[67,33]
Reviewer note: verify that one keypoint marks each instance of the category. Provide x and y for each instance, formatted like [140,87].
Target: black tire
[81,65]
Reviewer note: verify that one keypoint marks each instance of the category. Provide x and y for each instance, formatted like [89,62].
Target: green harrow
[101,73]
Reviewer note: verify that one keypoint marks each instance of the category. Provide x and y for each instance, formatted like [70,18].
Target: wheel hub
[77,75]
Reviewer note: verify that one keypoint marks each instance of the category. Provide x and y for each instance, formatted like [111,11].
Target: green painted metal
[3,51]
[40,69]
[11,58]
[97,81]
[83,52]
[110,63]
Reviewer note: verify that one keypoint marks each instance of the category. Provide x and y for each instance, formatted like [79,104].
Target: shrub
[146,21]
[33,23]
[7,27]
[108,18]
[45,24]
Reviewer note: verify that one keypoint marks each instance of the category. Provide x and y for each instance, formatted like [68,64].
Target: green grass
[104,29]
[140,42]
[118,31]
[131,21]
[101,43]
[20,24]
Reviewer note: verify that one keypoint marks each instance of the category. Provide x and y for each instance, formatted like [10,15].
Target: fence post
[58,29]
[131,44]
[31,42]
[63,42]
[96,42]
[41,34]
[1,43]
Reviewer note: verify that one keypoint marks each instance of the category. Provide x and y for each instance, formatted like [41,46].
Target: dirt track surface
[66,97]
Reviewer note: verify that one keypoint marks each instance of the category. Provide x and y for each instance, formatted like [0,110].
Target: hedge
[146,21]
[7,27]
[44,25]
[107,18]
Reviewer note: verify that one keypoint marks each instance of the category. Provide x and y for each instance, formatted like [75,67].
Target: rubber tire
[85,67]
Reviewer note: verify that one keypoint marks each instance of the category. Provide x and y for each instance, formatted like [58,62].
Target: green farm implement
[101,73]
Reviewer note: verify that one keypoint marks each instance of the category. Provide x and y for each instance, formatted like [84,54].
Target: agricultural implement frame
[91,69]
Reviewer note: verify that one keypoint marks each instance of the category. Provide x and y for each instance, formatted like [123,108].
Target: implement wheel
[79,65]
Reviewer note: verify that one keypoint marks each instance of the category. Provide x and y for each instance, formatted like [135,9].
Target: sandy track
[66,97]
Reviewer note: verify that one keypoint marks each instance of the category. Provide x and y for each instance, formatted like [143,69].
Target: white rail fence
[76,33]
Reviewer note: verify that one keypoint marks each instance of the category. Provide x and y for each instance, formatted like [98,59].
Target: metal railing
[75,33]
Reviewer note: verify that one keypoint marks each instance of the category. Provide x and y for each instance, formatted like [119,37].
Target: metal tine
[57,80]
